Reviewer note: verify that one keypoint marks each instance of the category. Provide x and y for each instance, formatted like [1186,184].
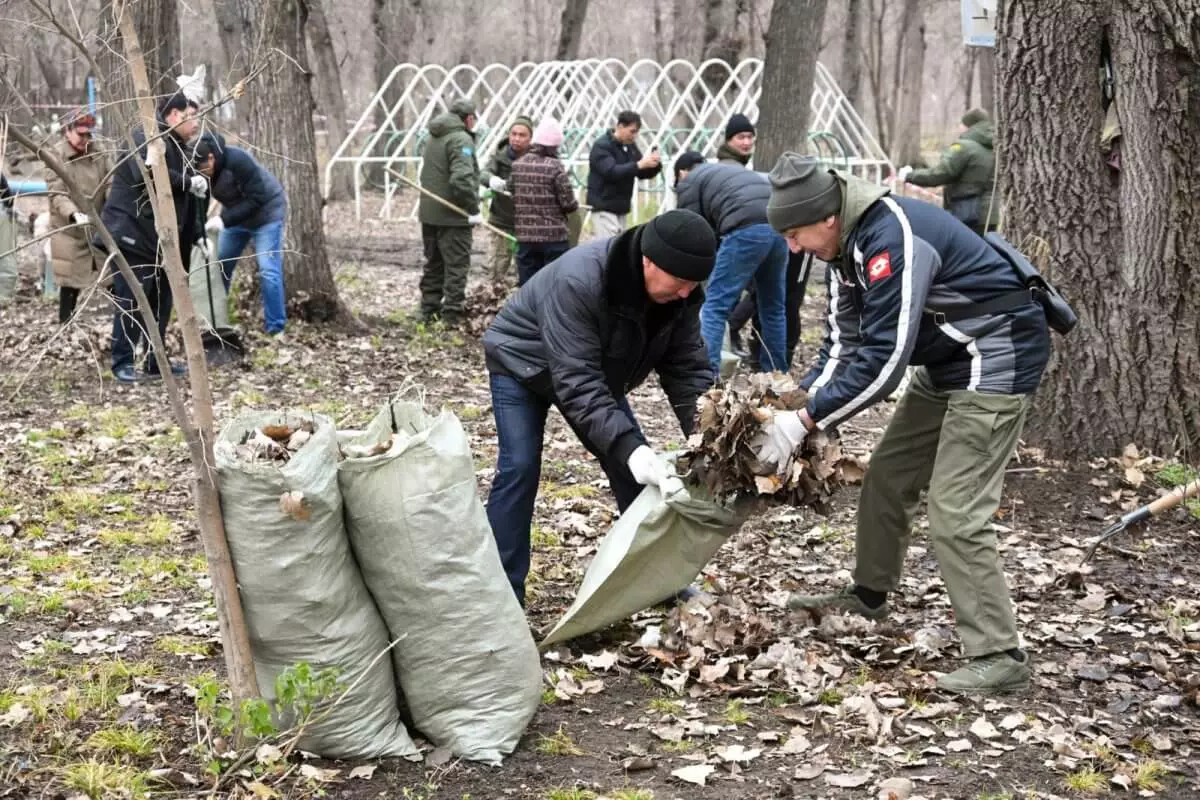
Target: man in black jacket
[129,216]
[253,207]
[580,335]
[734,201]
[613,167]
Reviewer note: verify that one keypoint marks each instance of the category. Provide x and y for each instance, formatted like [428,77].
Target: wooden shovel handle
[1174,498]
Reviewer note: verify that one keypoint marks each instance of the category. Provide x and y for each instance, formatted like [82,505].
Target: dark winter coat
[6,195]
[449,170]
[903,263]
[612,171]
[729,197]
[128,214]
[500,213]
[967,170]
[542,194]
[582,333]
[249,195]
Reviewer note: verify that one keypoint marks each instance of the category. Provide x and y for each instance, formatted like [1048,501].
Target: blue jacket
[902,262]
[249,195]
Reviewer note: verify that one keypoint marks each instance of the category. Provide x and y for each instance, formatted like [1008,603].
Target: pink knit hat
[548,133]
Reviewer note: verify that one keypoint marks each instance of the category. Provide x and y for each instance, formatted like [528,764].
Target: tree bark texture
[157,25]
[331,100]
[281,127]
[234,30]
[987,78]
[1120,244]
[570,32]
[793,40]
[970,58]
[851,76]
[907,127]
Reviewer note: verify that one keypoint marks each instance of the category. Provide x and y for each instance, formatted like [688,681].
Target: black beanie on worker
[687,160]
[680,243]
[803,192]
[738,123]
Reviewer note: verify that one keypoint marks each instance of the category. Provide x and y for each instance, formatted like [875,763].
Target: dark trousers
[532,256]
[67,299]
[520,425]
[746,311]
[447,262]
[128,325]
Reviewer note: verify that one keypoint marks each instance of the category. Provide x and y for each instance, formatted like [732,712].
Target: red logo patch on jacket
[879,267]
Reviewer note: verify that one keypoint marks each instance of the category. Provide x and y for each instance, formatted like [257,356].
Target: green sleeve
[948,170]
[493,168]
[464,173]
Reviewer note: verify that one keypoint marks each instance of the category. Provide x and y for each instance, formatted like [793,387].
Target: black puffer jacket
[612,171]
[728,197]
[250,196]
[583,333]
[128,213]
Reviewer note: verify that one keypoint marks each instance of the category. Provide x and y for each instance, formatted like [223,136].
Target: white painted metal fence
[684,106]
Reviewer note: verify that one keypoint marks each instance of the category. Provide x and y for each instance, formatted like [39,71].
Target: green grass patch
[558,744]
[124,741]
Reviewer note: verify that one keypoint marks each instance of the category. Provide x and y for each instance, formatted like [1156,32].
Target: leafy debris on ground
[483,304]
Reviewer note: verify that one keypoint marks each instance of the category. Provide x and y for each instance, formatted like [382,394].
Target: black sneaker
[126,374]
[152,373]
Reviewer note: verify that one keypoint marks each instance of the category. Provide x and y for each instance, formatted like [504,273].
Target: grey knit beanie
[975,116]
[802,192]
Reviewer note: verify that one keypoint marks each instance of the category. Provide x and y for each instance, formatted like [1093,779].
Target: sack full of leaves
[655,549]
[304,599]
[722,453]
[467,664]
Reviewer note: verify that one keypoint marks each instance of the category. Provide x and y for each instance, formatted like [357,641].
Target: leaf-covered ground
[108,627]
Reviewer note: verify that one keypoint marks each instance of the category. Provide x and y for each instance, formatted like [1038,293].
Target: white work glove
[903,174]
[79,218]
[214,225]
[650,470]
[475,219]
[199,185]
[497,184]
[774,444]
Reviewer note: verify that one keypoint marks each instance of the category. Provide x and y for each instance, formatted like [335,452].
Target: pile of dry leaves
[482,306]
[274,442]
[721,455]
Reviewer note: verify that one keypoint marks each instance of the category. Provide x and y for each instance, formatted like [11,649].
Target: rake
[1164,503]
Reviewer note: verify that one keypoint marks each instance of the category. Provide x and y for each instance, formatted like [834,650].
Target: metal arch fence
[684,106]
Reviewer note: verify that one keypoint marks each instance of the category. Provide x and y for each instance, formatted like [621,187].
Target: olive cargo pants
[500,265]
[447,262]
[957,444]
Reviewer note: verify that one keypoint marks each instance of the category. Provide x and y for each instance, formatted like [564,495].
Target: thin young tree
[1118,235]
[570,34]
[906,144]
[331,100]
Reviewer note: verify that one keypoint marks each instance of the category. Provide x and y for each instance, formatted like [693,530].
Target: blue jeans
[520,424]
[756,253]
[268,252]
[532,256]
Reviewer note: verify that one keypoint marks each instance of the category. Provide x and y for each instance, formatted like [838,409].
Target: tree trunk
[852,52]
[971,55]
[234,31]
[683,43]
[987,78]
[907,128]
[793,39]
[1121,245]
[329,87]
[54,79]
[281,126]
[157,25]
[570,33]
[880,100]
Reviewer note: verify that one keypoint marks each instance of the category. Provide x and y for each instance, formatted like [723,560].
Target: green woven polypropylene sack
[301,591]
[468,667]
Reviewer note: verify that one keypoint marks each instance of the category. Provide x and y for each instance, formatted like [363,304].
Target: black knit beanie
[680,243]
[738,123]
[687,160]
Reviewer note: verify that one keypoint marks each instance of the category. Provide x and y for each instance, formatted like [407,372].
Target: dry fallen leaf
[317,774]
[984,729]
[602,661]
[697,773]
[848,780]
[292,503]
[737,753]
[365,772]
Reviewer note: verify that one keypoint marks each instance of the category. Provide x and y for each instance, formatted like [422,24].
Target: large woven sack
[468,666]
[301,590]
[657,547]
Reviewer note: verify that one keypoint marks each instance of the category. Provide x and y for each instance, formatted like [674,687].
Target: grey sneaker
[996,673]
[841,600]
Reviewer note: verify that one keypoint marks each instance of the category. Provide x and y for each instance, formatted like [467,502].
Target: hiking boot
[999,672]
[844,600]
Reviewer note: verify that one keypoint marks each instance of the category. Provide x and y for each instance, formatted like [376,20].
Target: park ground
[108,630]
